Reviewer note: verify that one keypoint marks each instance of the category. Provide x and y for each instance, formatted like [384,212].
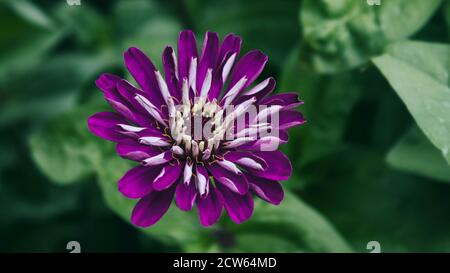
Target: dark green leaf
[32,13]
[263,24]
[148,26]
[292,221]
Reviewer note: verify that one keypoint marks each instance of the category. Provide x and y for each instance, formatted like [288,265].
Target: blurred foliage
[365,164]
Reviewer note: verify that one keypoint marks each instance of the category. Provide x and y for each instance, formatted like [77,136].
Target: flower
[202,133]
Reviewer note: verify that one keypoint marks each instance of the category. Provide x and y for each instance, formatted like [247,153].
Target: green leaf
[344,34]
[418,72]
[50,88]
[447,17]
[32,13]
[64,149]
[414,153]
[267,25]
[292,221]
[30,44]
[368,201]
[328,102]
[149,26]
[88,26]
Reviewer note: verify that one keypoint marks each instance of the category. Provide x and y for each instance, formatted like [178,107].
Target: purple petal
[234,182]
[209,208]
[259,91]
[239,207]
[168,175]
[229,51]
[250,66]
[287,100]
[278,165]
[103,124]
[187,49]
[218,81]
[143,71]
[209,56]
[159,159]
[185,195]
[131,149]
[170,72]
[108,84]
[266,143]
[152,207]
[268,190]
[128,91]
[246,159]
[137,182]
[202,180]
[231,44]
[289,119]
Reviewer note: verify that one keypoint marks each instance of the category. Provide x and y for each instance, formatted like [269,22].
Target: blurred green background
[370,164]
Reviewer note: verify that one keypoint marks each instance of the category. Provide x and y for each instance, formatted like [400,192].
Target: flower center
[197,128]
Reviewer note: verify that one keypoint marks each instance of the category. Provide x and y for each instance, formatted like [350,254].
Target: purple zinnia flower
[194,132]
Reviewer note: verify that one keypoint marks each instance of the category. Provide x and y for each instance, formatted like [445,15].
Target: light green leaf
[270,26]
[414,153]
[343,34]
[418,72]
[292,221]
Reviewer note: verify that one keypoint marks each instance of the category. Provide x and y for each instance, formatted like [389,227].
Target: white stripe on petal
[162,86]
[154,141]
[206,83]
[230,166]
[234,91]
[130,128]
[252,131]
[155,160]
[238,111]
[249,162]
[151,109]
[258,87]
[161,174]
[187,174]
[227,67]
[202,184]
[175,63]
[238,142]
[185,90]
[193,75]
[263,114]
